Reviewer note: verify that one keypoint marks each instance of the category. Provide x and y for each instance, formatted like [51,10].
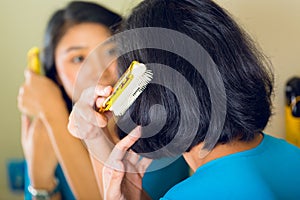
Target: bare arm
[39,154]
[84,117]
[87,124]
[72,156]
[123,172]
[42,98]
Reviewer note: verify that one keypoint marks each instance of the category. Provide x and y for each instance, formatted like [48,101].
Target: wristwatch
[43,194]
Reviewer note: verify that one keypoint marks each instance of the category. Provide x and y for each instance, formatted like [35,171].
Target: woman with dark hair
[221,133]
[71,34]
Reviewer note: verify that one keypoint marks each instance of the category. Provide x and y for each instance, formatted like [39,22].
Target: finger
[143,164]
[102,94]
[94,118]
[81,129]
[106,176]
[87,96]
[121,147]
[25,124]
[22,105]
[85,107]
[89,115]
[92,93]
[112,181]
[132,157]
[28,75]
[26,103]
[103,91]
[119,151]
[20,98]
[23,90]
[130,168]
[99,101]
[72,127]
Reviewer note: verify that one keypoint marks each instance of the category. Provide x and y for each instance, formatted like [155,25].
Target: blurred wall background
[274,24]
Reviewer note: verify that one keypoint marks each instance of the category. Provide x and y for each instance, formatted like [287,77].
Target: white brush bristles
[142,77]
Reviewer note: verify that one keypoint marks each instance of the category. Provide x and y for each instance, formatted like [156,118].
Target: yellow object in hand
[34,63]
[127,89]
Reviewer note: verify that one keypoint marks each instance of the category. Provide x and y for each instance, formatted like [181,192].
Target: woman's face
[71,52]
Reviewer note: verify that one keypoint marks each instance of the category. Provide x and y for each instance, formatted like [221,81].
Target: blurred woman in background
[55,159]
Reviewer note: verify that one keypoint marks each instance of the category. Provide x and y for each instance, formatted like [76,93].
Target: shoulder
[244,175]
[281,148]
[221,182]
[201,185]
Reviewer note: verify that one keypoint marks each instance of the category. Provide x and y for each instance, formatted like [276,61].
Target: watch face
[43,194]
[39,194]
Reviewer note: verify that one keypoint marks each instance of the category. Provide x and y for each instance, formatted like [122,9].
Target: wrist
[45,193]
[44,183]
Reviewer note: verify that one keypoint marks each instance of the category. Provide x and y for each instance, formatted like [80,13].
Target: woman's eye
[78,59]
[111,52]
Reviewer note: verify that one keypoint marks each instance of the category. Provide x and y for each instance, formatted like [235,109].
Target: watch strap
[41,194]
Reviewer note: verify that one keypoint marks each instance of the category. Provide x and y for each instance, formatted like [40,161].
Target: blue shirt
[155,183]
[269,171]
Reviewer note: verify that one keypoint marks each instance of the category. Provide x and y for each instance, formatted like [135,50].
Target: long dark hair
[75,13]
[245,71]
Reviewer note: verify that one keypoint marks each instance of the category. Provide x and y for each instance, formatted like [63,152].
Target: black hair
[76,12]
[245,71]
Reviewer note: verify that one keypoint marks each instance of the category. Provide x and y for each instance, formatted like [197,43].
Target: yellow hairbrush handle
[127,89]
[34,63]
[119,87]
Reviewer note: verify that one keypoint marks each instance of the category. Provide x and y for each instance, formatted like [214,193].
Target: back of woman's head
[75,13]
[246,77]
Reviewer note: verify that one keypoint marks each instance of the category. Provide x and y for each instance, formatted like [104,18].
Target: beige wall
[275,24]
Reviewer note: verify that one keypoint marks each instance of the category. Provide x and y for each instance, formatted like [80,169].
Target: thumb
[30,76]
[25,120]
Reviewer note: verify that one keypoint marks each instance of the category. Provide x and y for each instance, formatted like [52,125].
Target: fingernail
[26,73]
[98,103]
[137,132]
[107,89]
